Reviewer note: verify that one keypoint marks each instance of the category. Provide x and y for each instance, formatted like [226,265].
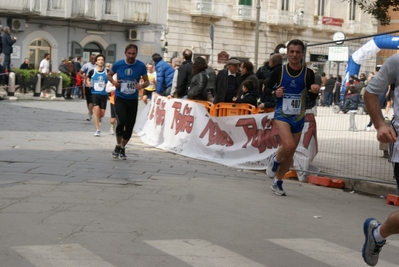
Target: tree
[379,9]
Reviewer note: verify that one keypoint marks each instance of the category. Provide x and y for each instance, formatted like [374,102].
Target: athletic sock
[377,236]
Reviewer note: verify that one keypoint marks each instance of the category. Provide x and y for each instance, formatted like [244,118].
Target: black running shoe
[122,154]
[116,152]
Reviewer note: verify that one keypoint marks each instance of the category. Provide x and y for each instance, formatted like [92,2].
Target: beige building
[234,26]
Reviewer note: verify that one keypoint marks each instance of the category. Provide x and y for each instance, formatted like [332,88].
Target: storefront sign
[332,21]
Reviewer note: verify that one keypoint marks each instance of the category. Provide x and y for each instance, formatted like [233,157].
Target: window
[284,5]
[245,2]
[320,7]
[352,7]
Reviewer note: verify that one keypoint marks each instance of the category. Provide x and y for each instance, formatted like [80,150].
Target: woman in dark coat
[199,80]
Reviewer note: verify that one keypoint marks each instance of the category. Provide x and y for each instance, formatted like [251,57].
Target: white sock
[275,181]
[377,236]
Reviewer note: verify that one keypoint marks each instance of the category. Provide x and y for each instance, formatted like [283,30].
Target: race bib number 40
[292,104]
[127,87]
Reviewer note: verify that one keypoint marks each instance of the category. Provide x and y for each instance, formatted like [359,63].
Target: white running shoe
[112,129]
[97,133]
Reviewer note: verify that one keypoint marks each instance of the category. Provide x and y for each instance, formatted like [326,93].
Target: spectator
[164,75]
[247,74]
[328,91]
[228,82]
[210,87]
[7,48]
[184,74]
[248,94]
[176,63]
[152,78]
[78,64]
[199,80]
[25,64]
[351,104]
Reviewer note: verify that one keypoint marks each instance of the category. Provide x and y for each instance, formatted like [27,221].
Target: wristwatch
[274,93]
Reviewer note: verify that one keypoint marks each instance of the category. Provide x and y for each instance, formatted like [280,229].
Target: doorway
[37,49]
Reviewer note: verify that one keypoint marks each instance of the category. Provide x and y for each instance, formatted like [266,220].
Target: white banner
[246,141]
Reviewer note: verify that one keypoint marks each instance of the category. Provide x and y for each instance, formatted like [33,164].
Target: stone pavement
[51,140]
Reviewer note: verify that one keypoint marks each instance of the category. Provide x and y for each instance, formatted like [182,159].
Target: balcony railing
[56,5]
[20,5]
[136,11]
[243,13]
[209,8]
[83,8]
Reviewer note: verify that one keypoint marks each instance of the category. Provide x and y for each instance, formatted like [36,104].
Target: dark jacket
[267,98]
[330,84]
[24,66]
[183,78]
[7,43]
[352,102]
[263,72]
[211,79]
[250,97]
[198,86]
[165,74]
[249,76]
[221,85]
[63,68]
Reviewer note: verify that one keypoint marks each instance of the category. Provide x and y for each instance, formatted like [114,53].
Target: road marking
[326,252]
[65,255]
[199,253]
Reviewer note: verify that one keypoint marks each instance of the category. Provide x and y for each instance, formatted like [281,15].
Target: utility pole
[257,33]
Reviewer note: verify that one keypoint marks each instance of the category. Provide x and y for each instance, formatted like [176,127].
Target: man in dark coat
[228,82]
[184,74]
[7,48]
[328,92]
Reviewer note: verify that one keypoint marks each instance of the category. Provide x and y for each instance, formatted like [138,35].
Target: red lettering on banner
[216,135]
[184,121]
[265,138]
[310,132]
[158,111]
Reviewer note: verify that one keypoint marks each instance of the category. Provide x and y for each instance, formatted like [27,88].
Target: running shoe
[122,154]
[272,167]
[371,249]
[97,133]
[89,117]
[116,152]
[277,188]
[112,129]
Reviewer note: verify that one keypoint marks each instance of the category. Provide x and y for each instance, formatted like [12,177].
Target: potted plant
[51,79]
[26,78]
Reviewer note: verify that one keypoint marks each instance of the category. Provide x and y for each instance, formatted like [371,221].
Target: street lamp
[257,34]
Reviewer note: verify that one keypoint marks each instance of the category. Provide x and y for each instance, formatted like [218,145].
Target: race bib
[128,87]
[292,104]
[99,86]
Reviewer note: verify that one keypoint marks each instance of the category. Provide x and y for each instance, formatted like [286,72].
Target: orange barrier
[210,107]
[290,174]
[393,200]
[325,181]
[264,110]
[233,109]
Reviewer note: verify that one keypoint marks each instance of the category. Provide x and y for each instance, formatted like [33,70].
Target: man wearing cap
[228,82]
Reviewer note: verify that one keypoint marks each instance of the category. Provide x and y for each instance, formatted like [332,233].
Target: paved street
[65,202]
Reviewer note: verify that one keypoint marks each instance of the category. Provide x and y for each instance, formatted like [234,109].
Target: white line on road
[66,255]
[326,252]
[200,253]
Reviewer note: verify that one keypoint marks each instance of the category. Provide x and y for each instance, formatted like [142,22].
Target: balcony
[244,13]
[136,11]
[208,8]
[83,9]
[20,6]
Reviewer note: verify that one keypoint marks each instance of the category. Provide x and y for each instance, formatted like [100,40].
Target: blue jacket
[165,74]
[7,43]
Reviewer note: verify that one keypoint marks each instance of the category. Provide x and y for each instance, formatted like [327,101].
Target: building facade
[190,24]
[75,28]
[218,29]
